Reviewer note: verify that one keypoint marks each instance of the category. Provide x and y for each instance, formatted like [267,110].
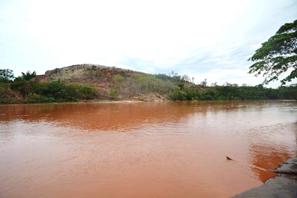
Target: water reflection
[117,116]
[95,116]
[269,152]
[267,158]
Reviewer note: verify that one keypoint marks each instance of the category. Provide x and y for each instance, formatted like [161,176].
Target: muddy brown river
[133,150]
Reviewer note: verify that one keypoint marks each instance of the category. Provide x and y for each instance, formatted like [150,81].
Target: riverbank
[283,185]
[146,101]
[93,82]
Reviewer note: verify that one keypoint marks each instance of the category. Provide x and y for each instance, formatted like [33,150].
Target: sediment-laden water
[142,149]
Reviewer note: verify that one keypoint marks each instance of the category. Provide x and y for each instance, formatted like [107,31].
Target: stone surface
[289,167]
[284,185]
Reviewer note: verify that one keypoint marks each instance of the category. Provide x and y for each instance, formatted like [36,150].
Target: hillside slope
[114,83]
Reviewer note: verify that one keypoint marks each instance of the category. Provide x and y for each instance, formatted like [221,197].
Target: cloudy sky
[205,39]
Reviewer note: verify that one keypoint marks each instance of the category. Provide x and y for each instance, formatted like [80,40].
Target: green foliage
[28,75]
[118,78]
[177,94]
[6,94]
[22,86]
[24,83]
[233,93]
[151,83]
[27,89]
[288,92]
[117,82]
[60,92]
[36,98]
[3,90]
[113,93]
[278,55]
[6,75]
[55,91]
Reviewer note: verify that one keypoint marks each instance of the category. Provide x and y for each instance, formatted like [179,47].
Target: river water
[142,149]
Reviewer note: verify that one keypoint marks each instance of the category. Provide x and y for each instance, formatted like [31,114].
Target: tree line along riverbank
[95,82]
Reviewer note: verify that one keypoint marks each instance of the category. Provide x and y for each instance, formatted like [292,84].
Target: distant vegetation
[233,92]
[30,88]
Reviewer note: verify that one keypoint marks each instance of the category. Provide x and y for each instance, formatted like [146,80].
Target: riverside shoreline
[282,185]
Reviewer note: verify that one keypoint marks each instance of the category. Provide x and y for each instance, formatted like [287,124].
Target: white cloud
[155,36]
[222,76]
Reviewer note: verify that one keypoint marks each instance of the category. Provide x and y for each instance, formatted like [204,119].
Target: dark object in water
[228,158]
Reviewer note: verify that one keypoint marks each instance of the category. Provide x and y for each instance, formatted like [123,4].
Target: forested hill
[89,82]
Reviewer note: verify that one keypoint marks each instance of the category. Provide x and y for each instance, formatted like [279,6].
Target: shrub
[6,75]
[113,93]
[36,98]
[60,91]
[22,86]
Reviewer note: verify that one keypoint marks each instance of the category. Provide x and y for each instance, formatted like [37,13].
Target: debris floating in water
[228,158]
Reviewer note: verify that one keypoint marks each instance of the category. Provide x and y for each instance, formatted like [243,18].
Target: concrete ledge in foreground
[284,185]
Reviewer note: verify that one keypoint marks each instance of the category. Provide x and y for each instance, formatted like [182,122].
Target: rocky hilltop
[86,73]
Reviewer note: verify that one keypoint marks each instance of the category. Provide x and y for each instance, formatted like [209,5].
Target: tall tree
[28,75]
[278,55]
[6,74]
